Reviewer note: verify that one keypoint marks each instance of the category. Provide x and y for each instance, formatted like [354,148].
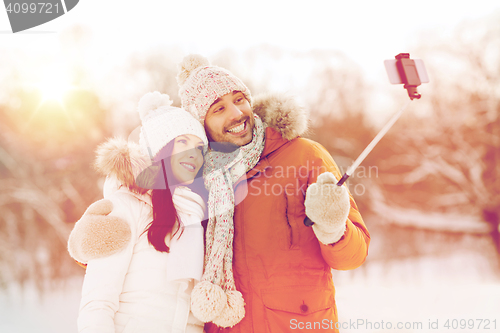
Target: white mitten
[97,234]
[327,205]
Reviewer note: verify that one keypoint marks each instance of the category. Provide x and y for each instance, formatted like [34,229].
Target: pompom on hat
[200,84]
[161,123]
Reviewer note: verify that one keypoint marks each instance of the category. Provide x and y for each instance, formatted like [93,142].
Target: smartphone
[393,73]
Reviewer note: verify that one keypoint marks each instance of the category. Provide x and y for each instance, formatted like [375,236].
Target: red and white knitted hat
[200,84]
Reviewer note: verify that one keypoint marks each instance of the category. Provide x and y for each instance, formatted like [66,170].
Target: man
[275,276]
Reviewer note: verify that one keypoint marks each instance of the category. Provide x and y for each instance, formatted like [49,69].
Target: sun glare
[52,91]
[54,86]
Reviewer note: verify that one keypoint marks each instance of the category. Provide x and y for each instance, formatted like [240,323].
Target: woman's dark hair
[164,212]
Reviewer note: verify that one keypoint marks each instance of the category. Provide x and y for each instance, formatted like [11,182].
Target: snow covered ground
[424,308]
[413,293]
[457,293]
[29,312]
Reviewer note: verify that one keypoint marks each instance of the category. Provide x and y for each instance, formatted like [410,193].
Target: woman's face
[187,158]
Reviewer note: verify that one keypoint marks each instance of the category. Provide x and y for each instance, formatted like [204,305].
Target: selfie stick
[411,83]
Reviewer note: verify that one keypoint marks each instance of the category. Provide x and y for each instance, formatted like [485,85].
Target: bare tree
[446,163]
[46,152]
[337,93]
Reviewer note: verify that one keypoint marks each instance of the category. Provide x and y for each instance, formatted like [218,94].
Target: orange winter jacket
[282,270]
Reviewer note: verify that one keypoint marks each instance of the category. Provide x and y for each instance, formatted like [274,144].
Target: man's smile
[238,129]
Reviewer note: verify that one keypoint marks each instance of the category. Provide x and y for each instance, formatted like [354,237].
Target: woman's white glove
[98,234]
[327,205]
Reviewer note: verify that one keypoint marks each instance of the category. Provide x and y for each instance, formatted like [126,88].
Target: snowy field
[414,293]
[419,308]
[29,312]
[424,295]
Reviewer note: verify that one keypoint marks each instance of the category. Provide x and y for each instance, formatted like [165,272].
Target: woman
[145,258]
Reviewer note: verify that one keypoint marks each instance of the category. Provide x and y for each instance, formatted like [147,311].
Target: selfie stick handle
[365,152]
[372,144]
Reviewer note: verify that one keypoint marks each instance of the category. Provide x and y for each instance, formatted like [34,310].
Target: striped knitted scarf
[215,298]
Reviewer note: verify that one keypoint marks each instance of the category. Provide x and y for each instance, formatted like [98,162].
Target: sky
[368,32]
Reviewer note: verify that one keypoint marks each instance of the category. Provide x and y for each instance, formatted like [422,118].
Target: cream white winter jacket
[131,287]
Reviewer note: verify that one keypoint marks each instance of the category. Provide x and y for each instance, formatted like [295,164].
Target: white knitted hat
[200,84]
[161,123]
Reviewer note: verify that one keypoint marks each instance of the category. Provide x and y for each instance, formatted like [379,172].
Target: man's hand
[327,205]
[98,235]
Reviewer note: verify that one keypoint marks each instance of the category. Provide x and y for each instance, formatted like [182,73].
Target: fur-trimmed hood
[125,161]
[282,113]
